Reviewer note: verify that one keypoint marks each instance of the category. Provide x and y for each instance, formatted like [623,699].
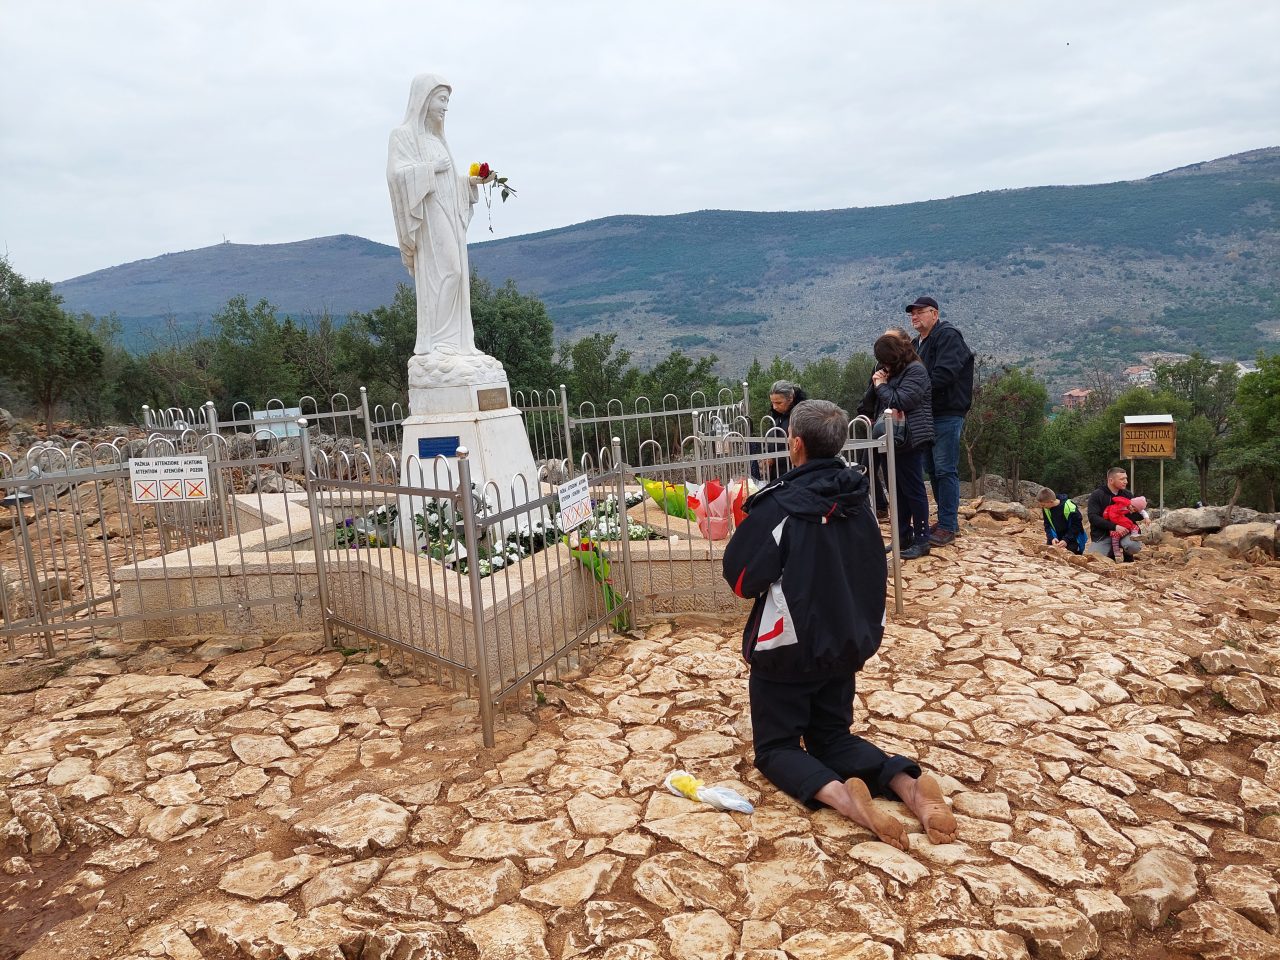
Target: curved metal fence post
[317,533]
[568,427]
[215,473]
[746,401]
[628,593]
[471,539]
[368,434]
[891,481]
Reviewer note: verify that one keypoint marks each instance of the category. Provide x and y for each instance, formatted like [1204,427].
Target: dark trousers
[913,499]
[819,711]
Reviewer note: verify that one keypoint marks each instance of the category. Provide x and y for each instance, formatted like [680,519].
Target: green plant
[377,528]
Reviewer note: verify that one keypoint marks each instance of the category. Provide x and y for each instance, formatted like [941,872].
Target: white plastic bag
[685,784]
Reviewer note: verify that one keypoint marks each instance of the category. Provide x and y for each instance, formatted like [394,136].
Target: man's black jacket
[950,363]
[810,553]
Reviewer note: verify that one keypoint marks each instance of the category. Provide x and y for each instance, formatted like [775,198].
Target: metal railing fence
[436,574]
[81,559]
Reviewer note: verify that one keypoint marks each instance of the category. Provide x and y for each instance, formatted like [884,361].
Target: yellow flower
[475,170]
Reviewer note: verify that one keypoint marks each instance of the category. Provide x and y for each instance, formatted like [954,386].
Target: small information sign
[169,479]
[288,427]
[1148,441]
[575,503]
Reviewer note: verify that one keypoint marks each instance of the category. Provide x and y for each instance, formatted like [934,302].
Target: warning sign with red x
[169,479]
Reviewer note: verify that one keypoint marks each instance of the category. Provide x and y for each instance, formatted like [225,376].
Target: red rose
[484,170]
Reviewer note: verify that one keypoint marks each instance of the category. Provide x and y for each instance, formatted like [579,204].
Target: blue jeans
[943,473]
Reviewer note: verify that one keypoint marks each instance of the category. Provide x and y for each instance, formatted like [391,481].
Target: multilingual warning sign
[169,479]
[575,503]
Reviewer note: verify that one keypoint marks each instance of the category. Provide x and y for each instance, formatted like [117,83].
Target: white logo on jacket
[776,627]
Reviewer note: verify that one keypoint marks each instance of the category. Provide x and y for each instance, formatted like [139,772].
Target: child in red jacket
[1121,512]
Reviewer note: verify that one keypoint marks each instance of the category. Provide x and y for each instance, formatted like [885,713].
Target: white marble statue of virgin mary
[431,200]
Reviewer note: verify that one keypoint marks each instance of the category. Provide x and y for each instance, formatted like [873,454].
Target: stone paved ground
[1109,737]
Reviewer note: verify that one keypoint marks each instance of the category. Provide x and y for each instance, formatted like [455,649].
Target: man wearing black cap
[950,363]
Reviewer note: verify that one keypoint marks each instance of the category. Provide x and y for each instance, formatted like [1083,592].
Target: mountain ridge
[1182,259]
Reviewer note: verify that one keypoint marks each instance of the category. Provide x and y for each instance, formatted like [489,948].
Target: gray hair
[783,388]
[822,426]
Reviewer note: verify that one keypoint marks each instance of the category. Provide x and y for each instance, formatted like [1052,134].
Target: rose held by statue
[485,176]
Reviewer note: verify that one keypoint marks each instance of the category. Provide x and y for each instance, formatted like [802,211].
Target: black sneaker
[904,543]
[916,551]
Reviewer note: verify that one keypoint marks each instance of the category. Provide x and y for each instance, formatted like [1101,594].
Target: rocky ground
[1109,737]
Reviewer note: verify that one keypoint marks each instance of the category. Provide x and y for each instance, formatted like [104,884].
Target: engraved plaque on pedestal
[493,398]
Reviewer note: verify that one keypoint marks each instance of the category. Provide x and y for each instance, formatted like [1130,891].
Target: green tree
[123,383]
[1251,452]
[254,353]
[47,354]
[325,366]
[178,368]
[1099,440]
[854,379]
[1063,464]
[517,330]
[596,372]
[1004,425]
[680,376]
[1208,389]
[377,346]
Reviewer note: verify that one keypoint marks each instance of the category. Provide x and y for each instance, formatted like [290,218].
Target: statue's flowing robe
[432,210]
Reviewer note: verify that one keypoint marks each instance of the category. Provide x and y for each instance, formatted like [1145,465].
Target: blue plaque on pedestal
[432,447]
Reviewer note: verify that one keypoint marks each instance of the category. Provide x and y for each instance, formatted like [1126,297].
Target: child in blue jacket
[1063,523]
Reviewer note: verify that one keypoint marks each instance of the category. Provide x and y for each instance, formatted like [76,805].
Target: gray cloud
[136,129]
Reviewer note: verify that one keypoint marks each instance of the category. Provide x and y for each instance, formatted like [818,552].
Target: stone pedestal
[463,400]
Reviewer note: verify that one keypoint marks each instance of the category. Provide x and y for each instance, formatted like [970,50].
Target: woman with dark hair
[901,383]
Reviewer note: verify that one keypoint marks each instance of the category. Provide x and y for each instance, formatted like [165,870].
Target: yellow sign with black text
[1148,441]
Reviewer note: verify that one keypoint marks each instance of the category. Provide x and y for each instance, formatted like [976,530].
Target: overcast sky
[133,129]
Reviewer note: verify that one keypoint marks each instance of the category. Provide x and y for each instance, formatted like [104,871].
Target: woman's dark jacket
[911,392]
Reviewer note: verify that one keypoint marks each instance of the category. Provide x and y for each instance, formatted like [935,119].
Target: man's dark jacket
[810,553]
[1099,526]
[950,364]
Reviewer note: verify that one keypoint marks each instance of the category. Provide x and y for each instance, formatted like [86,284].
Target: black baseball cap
[922,302]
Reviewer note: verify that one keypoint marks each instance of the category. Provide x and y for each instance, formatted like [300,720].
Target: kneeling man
[809,554]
